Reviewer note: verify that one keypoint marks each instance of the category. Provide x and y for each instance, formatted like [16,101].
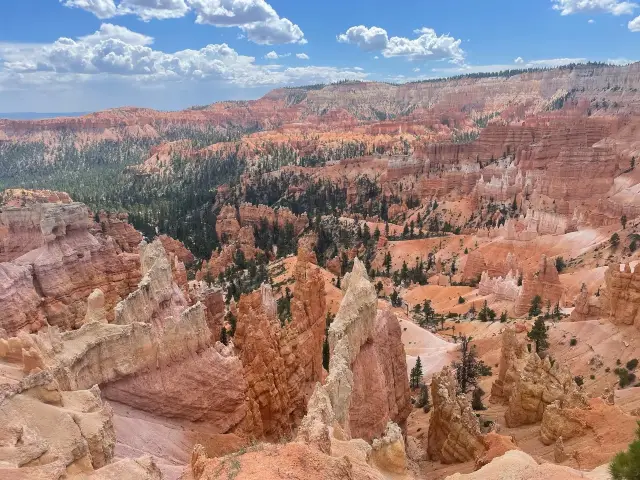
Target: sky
[86,55]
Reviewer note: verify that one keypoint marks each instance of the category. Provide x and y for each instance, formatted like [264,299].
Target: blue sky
[81,55]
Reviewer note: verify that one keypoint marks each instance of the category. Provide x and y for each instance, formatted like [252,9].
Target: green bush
[573,342]
[632,364]
[625,377]
[626,465]
[579,380]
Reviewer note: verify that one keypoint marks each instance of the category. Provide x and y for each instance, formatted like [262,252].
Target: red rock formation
[282,364]
[381,392]
[622,302]
[115,225]
[177,248]
[227,225]
[543,282]
[16,197]
[251,216]
[60,266]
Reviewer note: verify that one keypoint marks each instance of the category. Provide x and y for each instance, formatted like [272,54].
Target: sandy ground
[169,442]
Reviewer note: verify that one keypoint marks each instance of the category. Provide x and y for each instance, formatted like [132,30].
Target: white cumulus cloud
[519,60]
[117,52]
[153,9]
[614,7]
[257,19]
[428,45]
[100,8]
[368,39]
[634,25]
[109,31]
[302,56]
[271,55]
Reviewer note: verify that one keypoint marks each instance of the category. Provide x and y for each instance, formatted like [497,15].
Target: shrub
[615,240]
[461,300]
[579,380]
[626,465]
[625,377]
[607,370]
[592,377]
[632,364]
[573,342]
[476,401]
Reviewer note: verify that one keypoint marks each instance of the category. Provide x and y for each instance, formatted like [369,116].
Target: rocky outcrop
[116,226]
[20,303]
[30,226]
[355,372]
[518,465]
[503,289]
[604,429]
[253,215]
[388,452]
[543,282]
[540,384]
[586,307]
[18,197]
[227,225]
[46,432]
[363,401]
[273,461]
[513,358]
[95,308]
[282,364]
[55,264]
[622,295]
[454,430]
[177,248]
[380,392]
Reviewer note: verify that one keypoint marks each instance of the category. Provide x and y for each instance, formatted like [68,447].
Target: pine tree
[223,336]
[536,304]
[423,399]
[539,335]
[387,262]
[415,378]
[325,353]
[469,368]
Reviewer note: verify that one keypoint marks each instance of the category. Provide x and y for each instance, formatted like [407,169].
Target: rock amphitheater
[274,331]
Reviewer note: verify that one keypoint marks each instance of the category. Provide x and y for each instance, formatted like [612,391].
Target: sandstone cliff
[55,262]
[282,364]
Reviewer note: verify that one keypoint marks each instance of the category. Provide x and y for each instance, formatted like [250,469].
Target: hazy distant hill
[38,115]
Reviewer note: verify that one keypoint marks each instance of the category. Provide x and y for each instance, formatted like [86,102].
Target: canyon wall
[53,261]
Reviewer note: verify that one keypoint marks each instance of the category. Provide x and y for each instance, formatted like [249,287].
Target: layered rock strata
[52,264]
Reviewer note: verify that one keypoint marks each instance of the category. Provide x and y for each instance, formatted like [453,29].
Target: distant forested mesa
[181,198]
